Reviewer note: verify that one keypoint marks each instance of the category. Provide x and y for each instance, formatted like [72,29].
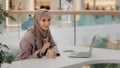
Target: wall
[54,5]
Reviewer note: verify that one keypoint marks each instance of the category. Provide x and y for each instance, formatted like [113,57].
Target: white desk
[98,56]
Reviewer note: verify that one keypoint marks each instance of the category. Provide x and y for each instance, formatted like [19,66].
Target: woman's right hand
[51,53]
[45,46]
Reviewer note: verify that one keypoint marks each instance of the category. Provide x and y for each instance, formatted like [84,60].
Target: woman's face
[45,22]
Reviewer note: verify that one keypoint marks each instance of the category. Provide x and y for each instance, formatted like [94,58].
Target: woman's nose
[46,23]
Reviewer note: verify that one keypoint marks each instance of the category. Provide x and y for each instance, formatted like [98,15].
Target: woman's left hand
[51,53]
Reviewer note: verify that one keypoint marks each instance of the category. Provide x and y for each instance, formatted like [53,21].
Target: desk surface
[98,56]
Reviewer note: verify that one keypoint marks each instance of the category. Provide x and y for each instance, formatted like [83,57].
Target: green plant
[104,65]
[3,14]
[0,33]
[101,42]
[2,52]
[9,57]
[4,55]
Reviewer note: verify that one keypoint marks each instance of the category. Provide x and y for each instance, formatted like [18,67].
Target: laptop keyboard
[79,54]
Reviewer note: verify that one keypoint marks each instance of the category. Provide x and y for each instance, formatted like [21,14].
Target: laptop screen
[92,45]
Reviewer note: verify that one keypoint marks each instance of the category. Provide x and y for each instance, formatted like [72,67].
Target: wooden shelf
[81,12]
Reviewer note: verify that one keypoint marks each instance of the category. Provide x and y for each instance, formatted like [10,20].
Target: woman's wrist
[42,50]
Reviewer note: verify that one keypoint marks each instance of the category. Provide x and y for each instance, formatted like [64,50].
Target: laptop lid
[92,45]
[84,54]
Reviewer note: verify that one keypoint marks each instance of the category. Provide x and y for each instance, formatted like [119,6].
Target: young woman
[37,41]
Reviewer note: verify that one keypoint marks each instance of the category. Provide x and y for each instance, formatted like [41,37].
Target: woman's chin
[45,29]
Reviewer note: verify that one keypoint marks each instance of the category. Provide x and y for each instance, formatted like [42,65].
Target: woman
[37,41]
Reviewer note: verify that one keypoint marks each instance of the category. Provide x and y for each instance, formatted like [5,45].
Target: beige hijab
[40,34]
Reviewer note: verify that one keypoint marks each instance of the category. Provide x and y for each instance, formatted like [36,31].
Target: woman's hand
[45,46]
[51,53]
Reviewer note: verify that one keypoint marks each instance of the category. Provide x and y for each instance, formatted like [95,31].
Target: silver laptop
[83,54]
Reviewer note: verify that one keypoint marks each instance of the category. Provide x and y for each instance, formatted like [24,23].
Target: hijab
[41,35]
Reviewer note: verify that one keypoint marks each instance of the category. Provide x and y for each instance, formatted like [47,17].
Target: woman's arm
[26,51]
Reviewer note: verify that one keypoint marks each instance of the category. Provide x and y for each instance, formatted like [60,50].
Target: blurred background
[73,29]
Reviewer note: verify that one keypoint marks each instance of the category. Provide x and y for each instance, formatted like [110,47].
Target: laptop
[83,54]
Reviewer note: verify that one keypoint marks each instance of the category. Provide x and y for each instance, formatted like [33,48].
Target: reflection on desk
[98,56]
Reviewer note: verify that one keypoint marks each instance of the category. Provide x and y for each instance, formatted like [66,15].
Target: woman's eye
[43,20]
[48,19]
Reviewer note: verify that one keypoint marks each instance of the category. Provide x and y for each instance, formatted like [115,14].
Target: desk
[98,56]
